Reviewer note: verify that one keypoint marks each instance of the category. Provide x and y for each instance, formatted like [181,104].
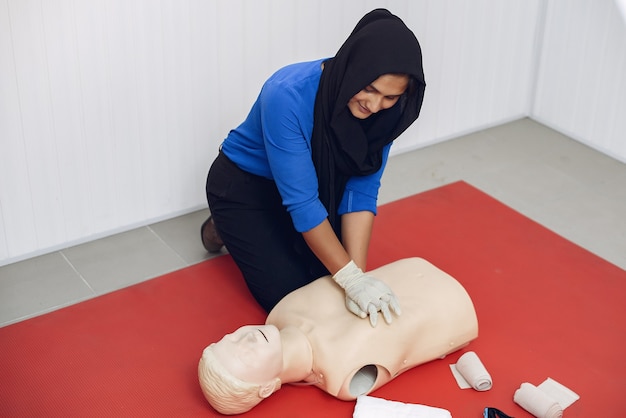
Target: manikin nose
[239,336]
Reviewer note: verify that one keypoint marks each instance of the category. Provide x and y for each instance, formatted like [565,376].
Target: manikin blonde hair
[227,394]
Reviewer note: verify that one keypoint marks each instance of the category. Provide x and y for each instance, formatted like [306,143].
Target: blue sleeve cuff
[354,201]
[362,192]
[309,216]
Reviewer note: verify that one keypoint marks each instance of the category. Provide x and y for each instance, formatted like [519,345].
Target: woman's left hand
[366,295]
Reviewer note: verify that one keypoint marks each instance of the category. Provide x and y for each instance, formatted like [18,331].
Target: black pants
[259,233]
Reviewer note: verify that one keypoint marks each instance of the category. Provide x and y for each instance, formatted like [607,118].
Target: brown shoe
[210,238]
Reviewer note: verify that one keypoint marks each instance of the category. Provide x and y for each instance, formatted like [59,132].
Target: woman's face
[380,94]
[252,354]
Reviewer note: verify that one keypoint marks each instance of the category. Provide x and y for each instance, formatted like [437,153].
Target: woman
[293,191]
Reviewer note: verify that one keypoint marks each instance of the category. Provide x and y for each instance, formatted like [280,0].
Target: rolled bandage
[537,402]
[473,371]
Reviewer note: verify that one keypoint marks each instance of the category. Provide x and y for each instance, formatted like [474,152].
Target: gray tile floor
[568,187]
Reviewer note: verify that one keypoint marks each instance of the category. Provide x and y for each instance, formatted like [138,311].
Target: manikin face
[380,94]
[252,354]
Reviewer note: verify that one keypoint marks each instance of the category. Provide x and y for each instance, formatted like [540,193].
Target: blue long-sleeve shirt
[274,142]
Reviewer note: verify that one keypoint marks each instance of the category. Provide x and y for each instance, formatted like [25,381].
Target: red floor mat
[546,308]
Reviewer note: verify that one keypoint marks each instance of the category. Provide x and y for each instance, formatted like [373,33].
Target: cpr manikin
[311,337]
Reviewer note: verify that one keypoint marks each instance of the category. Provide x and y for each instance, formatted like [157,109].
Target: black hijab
[343,145]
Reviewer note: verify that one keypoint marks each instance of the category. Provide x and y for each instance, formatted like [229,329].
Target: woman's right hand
[366,295]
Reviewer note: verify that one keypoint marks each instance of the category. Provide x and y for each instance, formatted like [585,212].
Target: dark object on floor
[495,413]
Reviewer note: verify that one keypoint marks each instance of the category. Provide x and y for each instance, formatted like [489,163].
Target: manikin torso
[350,357]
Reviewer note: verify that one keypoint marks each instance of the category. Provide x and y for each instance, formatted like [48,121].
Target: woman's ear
[266,389]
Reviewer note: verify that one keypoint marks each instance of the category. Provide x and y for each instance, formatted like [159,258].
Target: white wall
[112,110]
[581,83]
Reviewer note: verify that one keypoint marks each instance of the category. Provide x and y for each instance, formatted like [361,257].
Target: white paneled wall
[112,110]
[581,84]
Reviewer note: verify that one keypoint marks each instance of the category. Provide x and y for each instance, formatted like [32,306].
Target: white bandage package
[371,407]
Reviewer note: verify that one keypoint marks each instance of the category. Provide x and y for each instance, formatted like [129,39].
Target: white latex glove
[366,295]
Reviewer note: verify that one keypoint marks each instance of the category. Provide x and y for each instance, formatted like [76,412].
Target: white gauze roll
[537,402]
[474,372]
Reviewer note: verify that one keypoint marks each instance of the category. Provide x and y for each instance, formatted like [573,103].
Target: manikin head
[241,369]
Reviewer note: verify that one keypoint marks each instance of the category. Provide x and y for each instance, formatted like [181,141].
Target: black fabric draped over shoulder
[343,145]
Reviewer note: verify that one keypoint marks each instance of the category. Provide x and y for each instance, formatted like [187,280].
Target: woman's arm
[326,247]
[365,295]
[356,231]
